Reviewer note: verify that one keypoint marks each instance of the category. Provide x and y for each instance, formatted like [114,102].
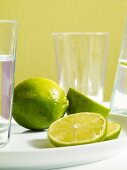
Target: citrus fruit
[76,129]
[113,130]
[38,102]
[81,103]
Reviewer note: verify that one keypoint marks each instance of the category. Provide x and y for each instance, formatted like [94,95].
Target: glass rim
[80,33]
[8,21]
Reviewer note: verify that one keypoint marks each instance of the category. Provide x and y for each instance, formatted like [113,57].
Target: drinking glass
[81,61]
[119,94]
[7,67]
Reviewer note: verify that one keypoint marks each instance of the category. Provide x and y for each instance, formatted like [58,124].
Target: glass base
[4,138]
[119,111]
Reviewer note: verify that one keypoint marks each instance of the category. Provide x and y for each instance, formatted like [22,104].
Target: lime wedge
[113,130]
[77,129]
[81,103]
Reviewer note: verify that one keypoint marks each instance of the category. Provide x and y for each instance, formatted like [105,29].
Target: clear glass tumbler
[7,67]
[81,61]
[119,94]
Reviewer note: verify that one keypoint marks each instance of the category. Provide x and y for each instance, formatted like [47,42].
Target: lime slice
[81,103]
[77,129]
[113,130]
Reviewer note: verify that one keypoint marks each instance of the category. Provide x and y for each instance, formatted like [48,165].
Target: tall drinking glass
[7,67]
[81,62]
[119,94]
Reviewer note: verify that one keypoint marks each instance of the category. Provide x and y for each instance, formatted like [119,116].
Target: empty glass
[81,61]
[119,94]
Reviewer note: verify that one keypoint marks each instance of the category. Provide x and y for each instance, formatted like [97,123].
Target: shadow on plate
[40,143]
[32,131]
[17,129]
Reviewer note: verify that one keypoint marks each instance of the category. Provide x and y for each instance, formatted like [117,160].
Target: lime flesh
[77,129]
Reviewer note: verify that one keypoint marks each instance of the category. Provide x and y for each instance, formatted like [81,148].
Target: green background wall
[37,19]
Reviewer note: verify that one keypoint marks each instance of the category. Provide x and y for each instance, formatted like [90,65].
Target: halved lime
[77,129]
[113,130]
[81,103]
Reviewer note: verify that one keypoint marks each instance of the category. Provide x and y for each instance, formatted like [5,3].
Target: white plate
[33,150]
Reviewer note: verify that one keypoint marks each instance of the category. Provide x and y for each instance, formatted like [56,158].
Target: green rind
[114,135]
[80,103]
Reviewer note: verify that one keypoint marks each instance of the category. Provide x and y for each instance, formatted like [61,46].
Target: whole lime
[38,102]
